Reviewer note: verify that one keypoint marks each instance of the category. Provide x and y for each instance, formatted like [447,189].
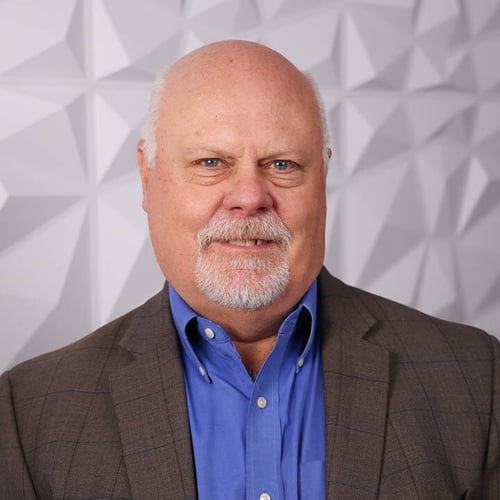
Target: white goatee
[243,282]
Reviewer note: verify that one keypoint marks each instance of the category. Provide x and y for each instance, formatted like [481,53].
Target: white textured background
[412,91]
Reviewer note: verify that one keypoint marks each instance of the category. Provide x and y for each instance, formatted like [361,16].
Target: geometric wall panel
[411,90]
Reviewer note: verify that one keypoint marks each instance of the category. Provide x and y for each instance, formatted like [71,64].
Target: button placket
[263,439]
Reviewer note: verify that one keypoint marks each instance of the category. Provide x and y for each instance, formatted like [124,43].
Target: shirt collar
[183,316]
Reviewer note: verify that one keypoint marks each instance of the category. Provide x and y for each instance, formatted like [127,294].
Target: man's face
[236,200]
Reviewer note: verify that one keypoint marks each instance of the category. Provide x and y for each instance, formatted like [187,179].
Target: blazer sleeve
[15,480]
[491,476]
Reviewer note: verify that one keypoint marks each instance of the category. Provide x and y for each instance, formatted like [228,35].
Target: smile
[248,243]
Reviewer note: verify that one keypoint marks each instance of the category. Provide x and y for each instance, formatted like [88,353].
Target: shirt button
[300,362]
[265,496]
[202,371]
[262,403]
[209,333]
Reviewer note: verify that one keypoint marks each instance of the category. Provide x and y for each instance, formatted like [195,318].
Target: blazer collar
[356,381]
[151,409]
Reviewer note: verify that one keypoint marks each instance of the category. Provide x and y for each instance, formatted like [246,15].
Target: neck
[253,333]
[253,355]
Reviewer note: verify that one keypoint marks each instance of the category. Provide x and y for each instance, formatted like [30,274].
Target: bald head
[226,69]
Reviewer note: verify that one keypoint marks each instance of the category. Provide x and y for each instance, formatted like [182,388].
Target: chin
[244,283]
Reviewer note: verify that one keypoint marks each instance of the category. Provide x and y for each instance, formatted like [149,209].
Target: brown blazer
[412,408]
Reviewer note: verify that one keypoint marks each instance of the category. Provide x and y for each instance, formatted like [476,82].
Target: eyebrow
[205,148]
[280,154]
[209,151]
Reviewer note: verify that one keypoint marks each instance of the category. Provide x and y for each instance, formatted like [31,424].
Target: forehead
[211,101]
[232,123]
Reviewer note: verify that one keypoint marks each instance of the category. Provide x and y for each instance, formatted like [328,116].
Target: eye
[210,162]
[282,164]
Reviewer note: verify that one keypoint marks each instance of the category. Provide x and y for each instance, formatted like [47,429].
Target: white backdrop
[412,90]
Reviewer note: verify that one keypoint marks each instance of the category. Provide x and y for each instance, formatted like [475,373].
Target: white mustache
[267,227]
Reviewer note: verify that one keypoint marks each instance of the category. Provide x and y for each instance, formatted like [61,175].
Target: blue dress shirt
[262,439]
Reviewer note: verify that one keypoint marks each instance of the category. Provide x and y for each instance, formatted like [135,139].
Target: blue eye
[211,162]
[281,164]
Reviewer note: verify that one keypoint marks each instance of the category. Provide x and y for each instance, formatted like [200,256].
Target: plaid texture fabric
[412,402]
[411,406]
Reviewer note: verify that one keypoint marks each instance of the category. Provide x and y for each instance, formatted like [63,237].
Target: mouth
[247,243]
[250,234]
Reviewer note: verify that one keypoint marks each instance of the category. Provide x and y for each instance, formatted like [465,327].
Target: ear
[144,170]
[327,160]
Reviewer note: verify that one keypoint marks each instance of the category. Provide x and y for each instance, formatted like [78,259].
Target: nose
[248,193]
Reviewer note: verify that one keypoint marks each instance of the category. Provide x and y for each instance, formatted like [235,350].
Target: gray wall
[412,90]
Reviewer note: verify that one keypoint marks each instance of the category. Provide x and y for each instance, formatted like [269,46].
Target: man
[249,376]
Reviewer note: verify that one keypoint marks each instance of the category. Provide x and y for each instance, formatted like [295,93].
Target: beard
[243,282]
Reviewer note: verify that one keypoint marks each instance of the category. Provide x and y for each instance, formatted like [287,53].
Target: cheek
[306,221]
[180,210]
[304,214]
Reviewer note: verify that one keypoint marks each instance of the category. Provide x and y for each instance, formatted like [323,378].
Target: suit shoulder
[76,366]
[396,324]
[104,337]
[424,337]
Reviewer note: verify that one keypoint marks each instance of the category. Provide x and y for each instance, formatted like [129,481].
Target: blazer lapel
[356,380]
[151,409]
